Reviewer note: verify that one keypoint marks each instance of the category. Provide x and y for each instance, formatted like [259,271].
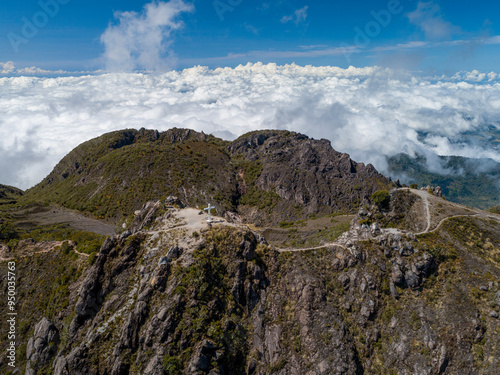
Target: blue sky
[436,36]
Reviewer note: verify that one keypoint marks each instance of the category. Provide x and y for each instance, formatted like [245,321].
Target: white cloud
[142,40]
[7,67]
[428,17]
[298,17]
[369,113]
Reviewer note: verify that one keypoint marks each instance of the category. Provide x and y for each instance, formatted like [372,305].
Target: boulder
[374,228]
[412,279]
[43,345]
[201,359]
[394,291]
[60,366]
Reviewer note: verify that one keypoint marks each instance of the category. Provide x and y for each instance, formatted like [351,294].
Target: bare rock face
[204,353]
[90,294]
[42,346]
[130,333]
[307,172]
[61,366]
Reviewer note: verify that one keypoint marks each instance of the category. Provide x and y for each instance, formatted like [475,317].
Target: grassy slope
[113,175]
[9,194]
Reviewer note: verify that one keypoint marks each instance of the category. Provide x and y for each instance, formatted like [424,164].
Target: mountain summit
[263,177]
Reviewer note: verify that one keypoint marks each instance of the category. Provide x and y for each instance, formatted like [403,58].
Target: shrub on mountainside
[381,198]
[8,231]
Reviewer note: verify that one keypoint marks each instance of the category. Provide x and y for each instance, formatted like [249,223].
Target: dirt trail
[53,214]
[425,199]
[82,254]
[483,216]
[327,245]
[188,218]
[51,246]
[192,220]
[50,215]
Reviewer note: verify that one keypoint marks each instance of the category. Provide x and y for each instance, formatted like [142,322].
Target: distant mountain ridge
[264,176]
[472,182]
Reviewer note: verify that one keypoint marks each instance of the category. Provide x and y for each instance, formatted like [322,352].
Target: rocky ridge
[163,298]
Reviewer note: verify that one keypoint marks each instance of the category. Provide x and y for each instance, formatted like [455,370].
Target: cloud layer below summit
[370,113]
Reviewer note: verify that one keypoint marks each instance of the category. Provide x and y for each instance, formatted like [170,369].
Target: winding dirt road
[425,199]
[192,220]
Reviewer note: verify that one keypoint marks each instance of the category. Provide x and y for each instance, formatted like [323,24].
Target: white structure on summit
[209,208]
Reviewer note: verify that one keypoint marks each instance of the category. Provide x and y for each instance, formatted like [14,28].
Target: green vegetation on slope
[115,174]
[9,194]
[465,183]
[84,241]
[308,233]
[381,198]
[46,289]
[266,177]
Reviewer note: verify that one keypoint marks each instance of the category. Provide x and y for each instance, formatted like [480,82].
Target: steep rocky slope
[266,176]
[165,297]
[307,175]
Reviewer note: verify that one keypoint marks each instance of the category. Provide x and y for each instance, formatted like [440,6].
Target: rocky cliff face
[262,177]
[167,298]
[304,173]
